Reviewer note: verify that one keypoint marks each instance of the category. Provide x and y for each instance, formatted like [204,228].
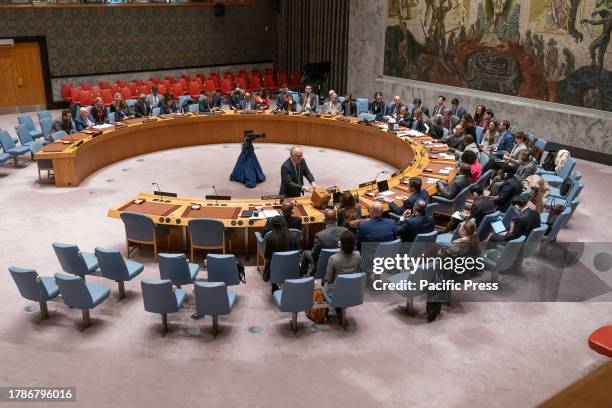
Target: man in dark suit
[349,107]
[455,139]
[415,223]
[510,188]
[439,106]
[393,110]
[377,228]
[236,97]
[293,171]
[526,167]
[63,123]
[325,239]
[141,108]
[248,103]
[308,100]
[450,121]
[461,181]
[523,224]
[287,213]
[436,127]
[84,120]
[377,107]
[206,105]
[416,193]
[456,109]
[418,104]
[481,206]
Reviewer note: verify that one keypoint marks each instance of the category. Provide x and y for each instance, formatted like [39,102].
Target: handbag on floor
[317,313]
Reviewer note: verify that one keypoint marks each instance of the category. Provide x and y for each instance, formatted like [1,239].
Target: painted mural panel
[553,50]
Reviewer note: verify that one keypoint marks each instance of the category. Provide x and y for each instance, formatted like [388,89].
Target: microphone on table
[379,173]
[155,184]
[216,195]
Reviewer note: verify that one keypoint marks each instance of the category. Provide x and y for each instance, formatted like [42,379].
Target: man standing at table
[293,171]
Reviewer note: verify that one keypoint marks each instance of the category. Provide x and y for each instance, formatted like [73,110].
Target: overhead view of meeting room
[306,203]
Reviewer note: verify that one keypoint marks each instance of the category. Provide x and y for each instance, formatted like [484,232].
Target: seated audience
[486,118]
[347,211]
[289,105]
[454,140]
[456,108]
[84,121]
[332,106]
[417,104]
[291,221]
[471,158]
[98,111]
[489,137]
[280,239]
[404,118]
[416,193]
[468,144]
[262,99]
[347,260]
[141,107]
[393,110]
[308,100]
[414,223]
[469,125]
[376,228]
[168,105]
[377,107]
[510,187]
[525,166]
[248,103]
[417,122]
[461,181]
[349,106]
[439,107]
[520,145]
[506,141]
[282,96]
[154,99]
[526,221]
[326,239]
[119,107]
[64,123]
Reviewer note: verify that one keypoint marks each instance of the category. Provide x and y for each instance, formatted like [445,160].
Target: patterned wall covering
[551,50]
[84,41]
[312,31]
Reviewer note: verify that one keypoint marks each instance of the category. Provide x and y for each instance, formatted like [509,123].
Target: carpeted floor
[476,354]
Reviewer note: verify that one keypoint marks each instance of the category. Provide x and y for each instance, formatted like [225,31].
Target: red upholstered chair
[166,83]
[138,82]
[186,77]
[184,85]
[161,89]
[601,341]
[150,84]
[226,87]
[95,91]
[126,93]
[210,86]
[269,83]
[154,79]
[86,98]
[134,89]
[66,92]
[194,89]
[170,78]
[201,76]
[296,79]
[177,90]
[85,86]
[243,84]
[217,82]
[228,74]
[282,78]
[114,88]
[268,70]
[75,95]
[122,83]
[143,89]
[103,84]
[255,82]
[107,96]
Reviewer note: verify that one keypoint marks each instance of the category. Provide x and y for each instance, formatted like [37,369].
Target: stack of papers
[104,126]
[269,213]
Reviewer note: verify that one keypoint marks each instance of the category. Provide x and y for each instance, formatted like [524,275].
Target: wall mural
[552,50]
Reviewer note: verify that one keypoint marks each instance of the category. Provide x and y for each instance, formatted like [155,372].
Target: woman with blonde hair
[119,108]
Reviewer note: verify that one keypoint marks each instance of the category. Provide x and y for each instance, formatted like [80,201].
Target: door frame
[44,60]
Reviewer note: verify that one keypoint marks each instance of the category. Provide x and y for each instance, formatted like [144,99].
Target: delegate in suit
[293,171]
[325,239]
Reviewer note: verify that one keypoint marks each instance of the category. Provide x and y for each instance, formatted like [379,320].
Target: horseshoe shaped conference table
[78,155]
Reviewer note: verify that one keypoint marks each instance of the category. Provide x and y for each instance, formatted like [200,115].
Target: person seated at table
[85,120]
[236,97]
[376,228]
[467,144]
[216,99]
[481,206]
[526,166]
[505,141]
[489,137]
[154,99]
[469,125]
[393,110]
[461,181]
[377,107]
[415,222]
[450,121]
[119,107]
[509,188]
[248,103]
[324,239]
[168,105]
[63,123]
[206,105]
[347,211]
[404,119]
[456,108]
[349,106]
[526,221]
[332,106]
[479,113]
[439,107]
[471,158]
[292,221]
[98,111]
[436,127]
[141,108]
[347,260]
[282,96]
[418,104]
[486,118]
[280,239]
[519,144]
[262,99]
[308,100]
[455,139]
[415,186]
[417,123]
[289,105]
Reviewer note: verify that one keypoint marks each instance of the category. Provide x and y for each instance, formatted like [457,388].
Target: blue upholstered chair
[348,291]
[44,115]
[323,260]
[284,265]
[479,132]
[484,228]
[509,215]
[555,191]
[46,125]
[573,193]
[259,256]
[4,157]
[560,221]
[111,117]
[140,229]
[448,237]
[532,243]
[35,288]
[484,177]
[73,260]
[541,144]
[115,267]
[58,135]
[423,244]
[431,208]
[362,106]
[177,269]
[29,123]
[449,206]
[11,148]
[213,299]
[383,250]
[160,297]
[501,259]
[415,276]
[206,234]
[222,268]
[181,100]
[295,297]
[483,159]
[194,107]
[79,294]
[565,172]
[156,111]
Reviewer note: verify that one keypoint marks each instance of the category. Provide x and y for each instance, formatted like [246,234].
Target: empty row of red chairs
[185,85]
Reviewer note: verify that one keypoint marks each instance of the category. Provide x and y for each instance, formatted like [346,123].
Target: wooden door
[8,95]
[21,78]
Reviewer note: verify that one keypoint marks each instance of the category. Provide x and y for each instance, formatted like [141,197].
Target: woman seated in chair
[119,108]
[279,239]
[262,99]
[289,105]
[347,213]
[98,111]
[168,105]
[347,260]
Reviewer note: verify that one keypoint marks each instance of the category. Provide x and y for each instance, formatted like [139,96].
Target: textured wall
[584,128]
[85,41]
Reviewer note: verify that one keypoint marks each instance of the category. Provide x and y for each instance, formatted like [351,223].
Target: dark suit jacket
[292,222]
[505,143]
[525,170]
[269,250]
[424,109]
[81,123]
[291,183]
[451,123]
[456,141]
[235,100]
[459,183]
[313,102]
[481,207]
[243,104]
[285,106]
[509,189]
[436,131]
[379,109]
[414,225]
[375,230]
[459,111]
[393,107]
[526,222]
[437,110]
[100,116]
[349,108]
[205,105]
[409,203]
[59,124]
[326,239]
[164,109]
[141,109]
